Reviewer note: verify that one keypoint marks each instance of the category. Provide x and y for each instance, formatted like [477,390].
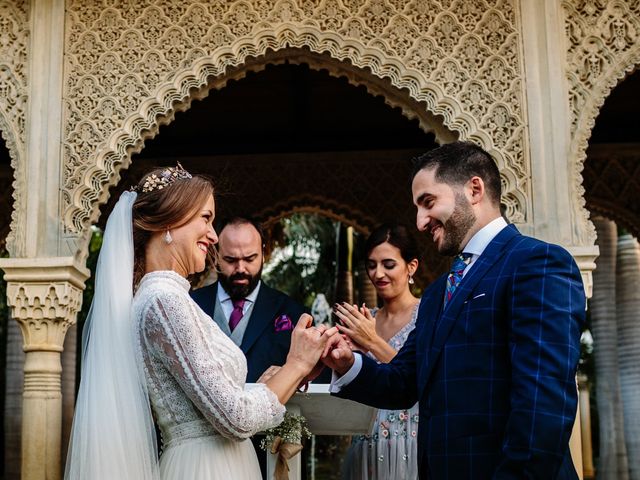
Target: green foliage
[303,261]
[92,260]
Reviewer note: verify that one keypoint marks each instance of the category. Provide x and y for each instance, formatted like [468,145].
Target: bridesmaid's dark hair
[397,235]
[162,208]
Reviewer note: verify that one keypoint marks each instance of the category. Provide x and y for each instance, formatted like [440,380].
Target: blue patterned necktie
[455,275]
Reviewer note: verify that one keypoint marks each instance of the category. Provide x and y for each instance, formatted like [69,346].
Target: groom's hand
[337,355]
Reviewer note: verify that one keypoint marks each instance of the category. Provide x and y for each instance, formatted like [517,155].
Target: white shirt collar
[483,237]
[223,296]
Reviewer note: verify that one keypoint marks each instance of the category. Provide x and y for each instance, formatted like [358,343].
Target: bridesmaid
[390,450]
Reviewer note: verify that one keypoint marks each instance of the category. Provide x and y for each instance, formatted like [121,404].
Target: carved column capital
[44,294]
[585,257]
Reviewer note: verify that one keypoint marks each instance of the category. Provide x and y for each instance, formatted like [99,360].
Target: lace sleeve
[206,368]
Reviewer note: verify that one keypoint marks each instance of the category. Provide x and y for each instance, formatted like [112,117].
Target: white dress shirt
[227,304]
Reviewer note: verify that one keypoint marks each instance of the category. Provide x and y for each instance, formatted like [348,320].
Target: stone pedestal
[45,295]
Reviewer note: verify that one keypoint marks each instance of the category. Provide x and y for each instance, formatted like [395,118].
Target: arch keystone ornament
[44,295]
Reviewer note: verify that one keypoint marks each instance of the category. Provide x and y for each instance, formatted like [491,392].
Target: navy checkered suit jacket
[495,371]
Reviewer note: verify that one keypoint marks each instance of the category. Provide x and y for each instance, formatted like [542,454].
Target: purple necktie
[236,314]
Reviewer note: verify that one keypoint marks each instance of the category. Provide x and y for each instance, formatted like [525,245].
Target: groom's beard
[457,226]
[239,291]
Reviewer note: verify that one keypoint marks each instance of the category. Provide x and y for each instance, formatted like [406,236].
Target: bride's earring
[167,238]
[411,282]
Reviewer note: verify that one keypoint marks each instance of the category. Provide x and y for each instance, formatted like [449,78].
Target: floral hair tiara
[158,181]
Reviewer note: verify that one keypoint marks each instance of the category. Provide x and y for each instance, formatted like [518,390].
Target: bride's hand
[308,343]
[268,373]
[358,324]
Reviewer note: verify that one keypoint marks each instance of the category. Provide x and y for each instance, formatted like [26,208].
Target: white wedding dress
[196,381]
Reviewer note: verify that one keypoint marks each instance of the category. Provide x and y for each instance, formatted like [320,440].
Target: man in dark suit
[493,357]
[258,318]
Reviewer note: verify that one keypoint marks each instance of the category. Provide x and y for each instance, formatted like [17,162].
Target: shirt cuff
[338,383]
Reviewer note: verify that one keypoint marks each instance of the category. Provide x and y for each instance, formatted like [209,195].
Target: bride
[147,344]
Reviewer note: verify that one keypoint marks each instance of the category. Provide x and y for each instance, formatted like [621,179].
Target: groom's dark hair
[455,163]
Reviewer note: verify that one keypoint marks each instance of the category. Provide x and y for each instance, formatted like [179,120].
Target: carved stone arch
[15,235]
[101,170]
[319,205]
[14,47]
[584,128]
[602,50]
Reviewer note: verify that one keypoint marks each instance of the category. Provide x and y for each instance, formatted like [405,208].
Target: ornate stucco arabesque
[14,42]
[130,65]
[603,47]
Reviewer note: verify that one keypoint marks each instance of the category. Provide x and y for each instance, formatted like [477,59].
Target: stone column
[344,286]
[628,313]
[13,401]
[613,464]
[585,427]
[45,295]
[575,445]
[68,385]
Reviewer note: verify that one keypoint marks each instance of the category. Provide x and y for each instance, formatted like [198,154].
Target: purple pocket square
[283,323]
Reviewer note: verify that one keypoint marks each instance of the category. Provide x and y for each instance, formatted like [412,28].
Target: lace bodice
[194,372]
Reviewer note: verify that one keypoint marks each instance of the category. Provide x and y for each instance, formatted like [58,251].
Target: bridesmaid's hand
[358,324]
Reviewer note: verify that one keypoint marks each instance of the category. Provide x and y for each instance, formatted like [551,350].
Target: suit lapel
[208,300]
[449,315]
[263,315]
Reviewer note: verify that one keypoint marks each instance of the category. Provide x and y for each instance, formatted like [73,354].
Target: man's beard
[235,291]
[457,226]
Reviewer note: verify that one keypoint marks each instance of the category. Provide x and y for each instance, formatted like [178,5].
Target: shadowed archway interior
[290,138]
[612,170]
[6,193]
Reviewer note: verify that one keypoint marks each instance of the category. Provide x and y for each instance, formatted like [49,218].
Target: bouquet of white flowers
[285,441]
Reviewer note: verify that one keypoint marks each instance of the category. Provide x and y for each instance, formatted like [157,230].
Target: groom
[493,357]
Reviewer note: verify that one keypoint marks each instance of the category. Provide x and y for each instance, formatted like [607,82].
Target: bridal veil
[112,434]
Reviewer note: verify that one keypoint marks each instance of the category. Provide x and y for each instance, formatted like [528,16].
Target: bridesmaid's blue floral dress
[390,451]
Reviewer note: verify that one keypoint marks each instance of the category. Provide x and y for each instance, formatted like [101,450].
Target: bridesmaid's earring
[167,238]
[411,282]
